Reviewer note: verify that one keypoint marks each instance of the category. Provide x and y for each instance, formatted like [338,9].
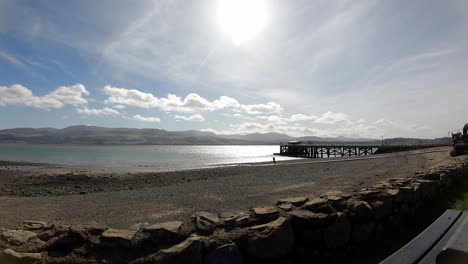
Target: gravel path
[53,194]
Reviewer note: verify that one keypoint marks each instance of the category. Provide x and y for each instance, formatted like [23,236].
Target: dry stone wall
[294,230]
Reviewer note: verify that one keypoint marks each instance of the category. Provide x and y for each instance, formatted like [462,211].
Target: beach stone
[319,205]
[165,232]
[296,201]
[32,225]
[17,237]
[304,218]
[270,241]
[188,251]
[265,214]
[225,254]
[205,222]
[117,238]
[359,211]
[13,257]
[338,233]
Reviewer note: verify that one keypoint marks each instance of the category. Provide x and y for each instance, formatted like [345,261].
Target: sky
[324,68]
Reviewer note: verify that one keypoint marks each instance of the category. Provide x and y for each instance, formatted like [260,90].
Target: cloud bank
[18,95]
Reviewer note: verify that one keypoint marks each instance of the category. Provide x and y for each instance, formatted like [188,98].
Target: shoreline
[154,169]
[121,199]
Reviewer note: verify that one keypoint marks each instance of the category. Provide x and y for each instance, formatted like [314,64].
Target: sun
[241,20]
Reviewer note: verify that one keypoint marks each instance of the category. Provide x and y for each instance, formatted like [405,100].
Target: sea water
[159,157]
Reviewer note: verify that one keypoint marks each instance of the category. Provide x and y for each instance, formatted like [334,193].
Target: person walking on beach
[274,160]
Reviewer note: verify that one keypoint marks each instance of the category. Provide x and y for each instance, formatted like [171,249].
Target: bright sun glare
[241,20]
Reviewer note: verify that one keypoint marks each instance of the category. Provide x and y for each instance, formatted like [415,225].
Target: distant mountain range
[111,136]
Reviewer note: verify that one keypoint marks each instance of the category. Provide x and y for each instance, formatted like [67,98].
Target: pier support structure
[327,151]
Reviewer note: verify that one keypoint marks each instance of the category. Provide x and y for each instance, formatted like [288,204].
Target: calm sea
[160,157]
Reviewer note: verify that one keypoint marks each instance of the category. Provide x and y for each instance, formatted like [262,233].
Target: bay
[157,157]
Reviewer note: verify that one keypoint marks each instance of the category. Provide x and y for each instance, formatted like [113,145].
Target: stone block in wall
[270,241]
[32,225]
[11,256]
[382,208]
[445,180]
[432,176]
[188,251]
[205,222]
[364,232]
[408,194]
[396,194]
[337,199]
[394,222]
[16,237]
[117,238]
[319,205]
[417,192]
[338,233]
[359,211]
[373,195]
[224,254]
[265,214]
[304,219]
[295,201]
[237,220]
[285,206]
[407,210]
[309,236]
[164,233]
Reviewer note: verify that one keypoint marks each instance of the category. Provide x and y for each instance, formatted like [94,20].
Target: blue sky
[323,68]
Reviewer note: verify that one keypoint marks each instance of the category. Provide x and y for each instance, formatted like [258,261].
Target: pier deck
[341,150]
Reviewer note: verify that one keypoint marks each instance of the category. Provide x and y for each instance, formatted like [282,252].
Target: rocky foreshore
[294,230]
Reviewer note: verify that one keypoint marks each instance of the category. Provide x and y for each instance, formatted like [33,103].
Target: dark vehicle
[460,142]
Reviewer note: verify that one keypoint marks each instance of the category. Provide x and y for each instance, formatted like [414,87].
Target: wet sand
[51,193]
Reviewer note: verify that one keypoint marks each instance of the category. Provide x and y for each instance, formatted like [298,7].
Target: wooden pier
[341,150]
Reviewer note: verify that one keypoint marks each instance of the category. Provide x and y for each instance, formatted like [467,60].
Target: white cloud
[194,118]
[262,109]
[253,127]
[191,103]
[146,119]
[302,117]
[226,102]
[106,111]
[333,118]
[18,95]
[119,106]
[274,119]
[72,95]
